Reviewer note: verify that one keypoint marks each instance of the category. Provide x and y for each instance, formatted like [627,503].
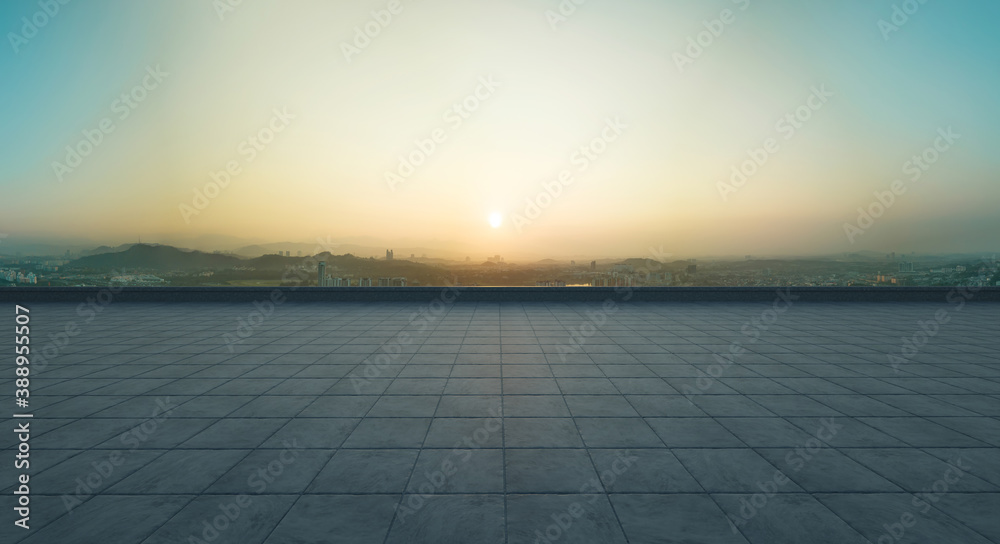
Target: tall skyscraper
[321,282]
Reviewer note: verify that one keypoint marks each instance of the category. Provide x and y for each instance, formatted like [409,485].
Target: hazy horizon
[365,247]
[866,90]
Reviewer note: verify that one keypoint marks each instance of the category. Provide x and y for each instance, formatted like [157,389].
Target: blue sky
[661,184]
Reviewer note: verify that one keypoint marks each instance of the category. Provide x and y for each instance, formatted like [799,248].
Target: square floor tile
[643,471]
[693,432]
[535,406]
[405,406]
[786,517]
[617,433]
[314,518]
[449,518]
[551,471]
[600,406]
[365,471]
[458,471]
[581,519]
[235,433]
[179,471]
[876,515]
[388,433]
[734,471]
[541,433]
[648,519]
[470,406]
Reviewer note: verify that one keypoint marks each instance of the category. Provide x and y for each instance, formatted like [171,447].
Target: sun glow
[496,219]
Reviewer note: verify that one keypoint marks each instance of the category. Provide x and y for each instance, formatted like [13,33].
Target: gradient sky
[655,186]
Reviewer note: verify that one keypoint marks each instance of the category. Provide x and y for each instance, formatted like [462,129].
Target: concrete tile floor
[534,423]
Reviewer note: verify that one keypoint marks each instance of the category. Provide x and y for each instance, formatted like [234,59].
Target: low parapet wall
[25,295]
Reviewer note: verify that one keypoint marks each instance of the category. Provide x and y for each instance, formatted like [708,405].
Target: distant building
[905,267]
[321,274]
[398,282]
[692,269]
[288,254]
[140,280]
[364,282]
[384,282]
[550,283]
[388,254]
[614,280]
[593,265]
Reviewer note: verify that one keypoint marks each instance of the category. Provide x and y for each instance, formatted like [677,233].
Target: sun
[496,219]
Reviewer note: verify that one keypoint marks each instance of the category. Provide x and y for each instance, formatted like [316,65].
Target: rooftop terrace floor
[510,422]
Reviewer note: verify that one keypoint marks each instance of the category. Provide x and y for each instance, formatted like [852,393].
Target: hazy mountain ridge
[154,257]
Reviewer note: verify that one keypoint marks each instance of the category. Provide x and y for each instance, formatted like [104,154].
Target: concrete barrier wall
[26,295]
